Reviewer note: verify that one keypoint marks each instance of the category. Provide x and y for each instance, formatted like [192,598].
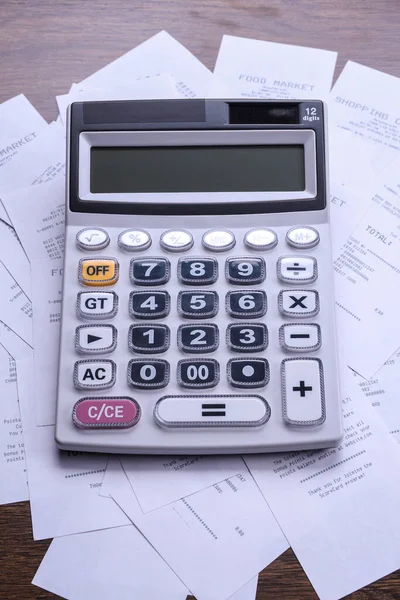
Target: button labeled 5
[98,272]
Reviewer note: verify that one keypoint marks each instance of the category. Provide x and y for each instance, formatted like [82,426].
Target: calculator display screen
[174,169]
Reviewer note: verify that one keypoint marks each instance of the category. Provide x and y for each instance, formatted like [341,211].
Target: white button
[92,239]
[134,240]
[298,303]
[95,339]
[97,305]
[302,237]
[94,374]
[297,268]
[218,240]
[176,240]
[211,411]
[300,337]
[303,400]
[261,239]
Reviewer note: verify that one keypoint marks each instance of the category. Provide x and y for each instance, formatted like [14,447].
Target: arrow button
[95,339]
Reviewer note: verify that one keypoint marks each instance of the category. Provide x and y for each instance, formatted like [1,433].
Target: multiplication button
[298,303]
[97,305]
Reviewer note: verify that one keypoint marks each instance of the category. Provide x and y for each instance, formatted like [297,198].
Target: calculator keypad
[241,338]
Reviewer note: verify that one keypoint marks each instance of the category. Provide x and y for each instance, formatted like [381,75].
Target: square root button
[303,396]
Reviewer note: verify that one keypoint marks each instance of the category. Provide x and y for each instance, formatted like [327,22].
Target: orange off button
[98,272]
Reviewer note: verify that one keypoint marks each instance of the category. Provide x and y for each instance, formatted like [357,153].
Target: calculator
[198,304]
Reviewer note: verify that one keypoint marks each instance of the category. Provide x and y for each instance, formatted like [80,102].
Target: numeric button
[198,338]
[144,374]
[298,303]
[148,338]
[149,305]
[150,271]
[197,271]
[198,373]
[247,270]
[198,304]
[245,372]
[250,304]
[247,337]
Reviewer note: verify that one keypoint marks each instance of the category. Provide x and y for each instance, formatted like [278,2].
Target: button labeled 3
[97,305]
[94,374]
[297,268]
[95,339]
[98,272]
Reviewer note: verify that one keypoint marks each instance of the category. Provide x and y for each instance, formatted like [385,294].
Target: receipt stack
[167,527]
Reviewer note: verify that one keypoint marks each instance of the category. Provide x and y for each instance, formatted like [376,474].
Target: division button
[197,271]
[218,240]
[246,304]
[291,269]
[211,411]
[134,240]
[244,372]
[303,396]
[198,373]
[97,305]
[198,338]
[94,374]
[149,305]
[176,240]
[260,239]
[245,271]
[198,304]
[300,337]
[148,338]
[302,237]
[298,303]
[92,239]
[111,412]
[95,339]
[150,271]
[98,272]
[148,374]
[247,337]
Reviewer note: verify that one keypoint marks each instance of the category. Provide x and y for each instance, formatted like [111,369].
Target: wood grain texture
[45,45]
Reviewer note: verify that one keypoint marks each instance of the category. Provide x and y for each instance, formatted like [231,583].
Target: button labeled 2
[94,374]
[98,272]
[106,413]
[148,338]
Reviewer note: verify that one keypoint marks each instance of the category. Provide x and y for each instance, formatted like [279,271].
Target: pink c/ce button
[111,412]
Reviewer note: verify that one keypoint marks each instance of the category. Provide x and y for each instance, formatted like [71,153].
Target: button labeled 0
[98,272]
[106,413]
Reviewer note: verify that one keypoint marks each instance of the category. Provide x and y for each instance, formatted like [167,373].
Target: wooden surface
[45,45]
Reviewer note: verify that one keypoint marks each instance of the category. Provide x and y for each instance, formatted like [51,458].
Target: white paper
[257,69]
[102,565]
[14,487]
[162,86]
[63,486]
[365,102]
[16,347]
[339,507]
[160,480]
[42,231]
[159,54]
[46,303]
[13,257]
[225,531]
[366,279]
[15,306]
[383,393]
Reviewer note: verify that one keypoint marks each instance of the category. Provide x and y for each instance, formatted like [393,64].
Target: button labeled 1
[106,413]
[97,305]
[303,397]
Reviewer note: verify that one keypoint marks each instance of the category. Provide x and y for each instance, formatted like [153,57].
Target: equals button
[213,410]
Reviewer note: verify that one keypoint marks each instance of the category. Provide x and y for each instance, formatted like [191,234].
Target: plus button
[302,388]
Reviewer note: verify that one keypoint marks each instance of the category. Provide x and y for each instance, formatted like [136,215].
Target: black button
[252,303]
[145,374]
[197,271]
[149,305]
[247,337]
[246,270]
[198,373]
[198,338]
[197,304]
[150,271]
[148,339]
[248,372]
